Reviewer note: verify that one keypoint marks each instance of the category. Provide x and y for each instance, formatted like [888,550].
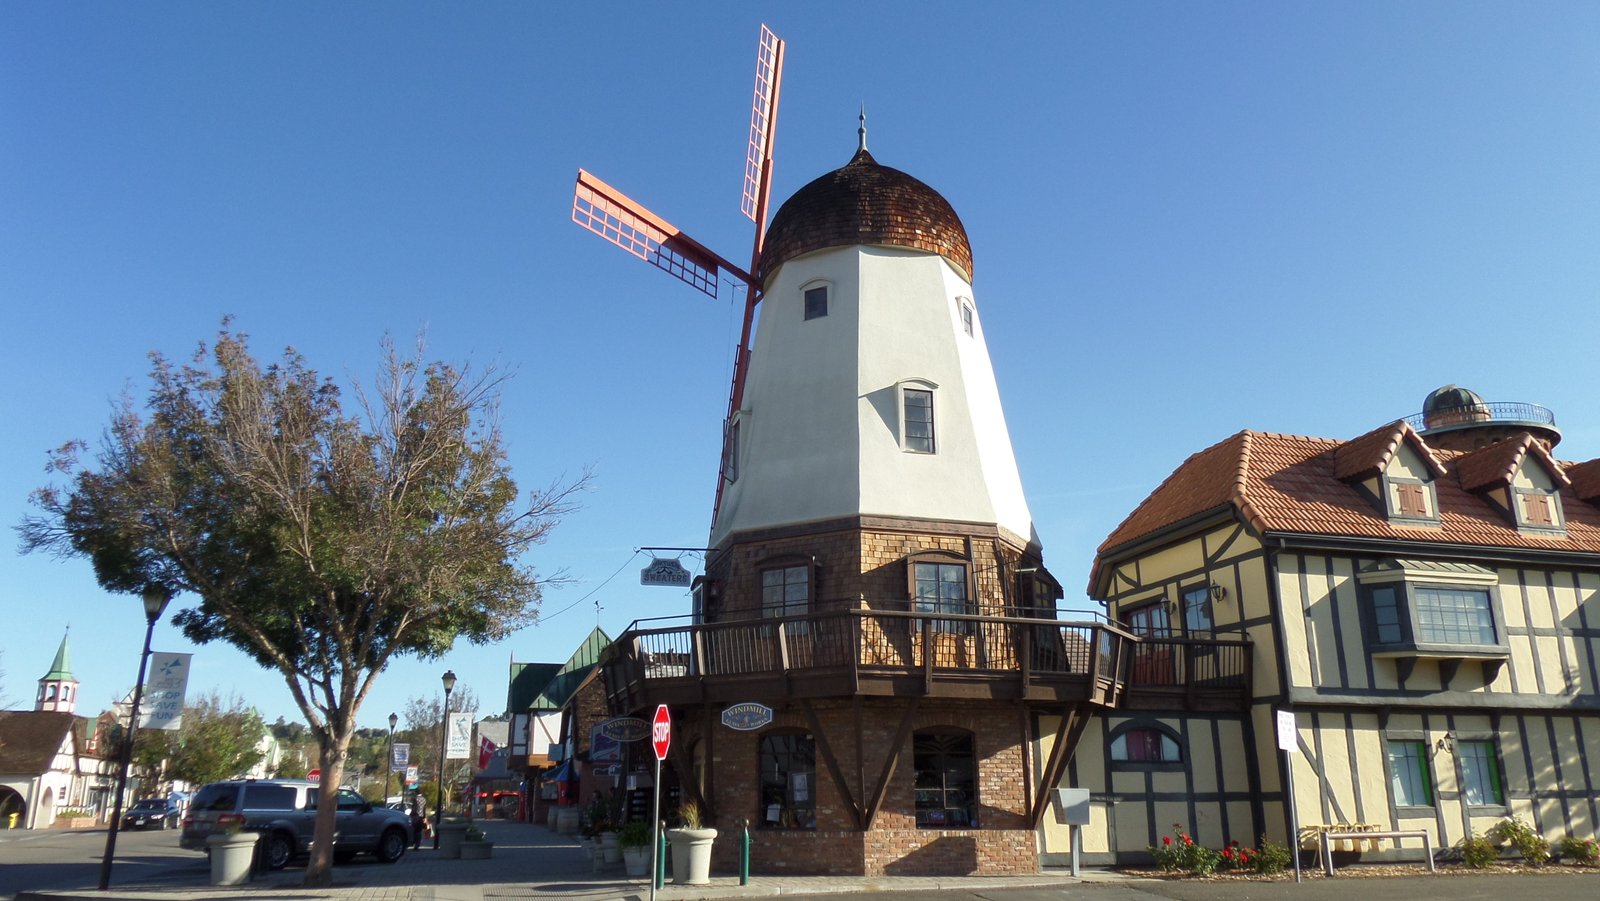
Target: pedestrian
[419,819]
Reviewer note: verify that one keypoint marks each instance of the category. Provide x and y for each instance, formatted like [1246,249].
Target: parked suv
[150,813]
[285,811]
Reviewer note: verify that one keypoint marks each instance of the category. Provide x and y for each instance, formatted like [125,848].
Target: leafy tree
[215,742]
[424,730]
[322,543]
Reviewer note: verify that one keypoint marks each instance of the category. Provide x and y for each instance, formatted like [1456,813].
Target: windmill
[612,215]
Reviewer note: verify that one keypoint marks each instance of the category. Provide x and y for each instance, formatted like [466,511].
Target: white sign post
[163,694]
[1289,743]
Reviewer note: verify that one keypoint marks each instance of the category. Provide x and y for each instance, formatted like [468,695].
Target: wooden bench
[1329,836]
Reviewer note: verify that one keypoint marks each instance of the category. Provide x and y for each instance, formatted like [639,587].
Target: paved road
[62,859]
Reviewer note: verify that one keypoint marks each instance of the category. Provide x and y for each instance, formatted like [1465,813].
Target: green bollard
[661,856]
[744,855]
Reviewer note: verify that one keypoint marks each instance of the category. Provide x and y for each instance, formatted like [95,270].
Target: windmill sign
[664,572]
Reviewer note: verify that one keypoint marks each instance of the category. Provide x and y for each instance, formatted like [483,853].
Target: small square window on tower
[817,302]
[966,317]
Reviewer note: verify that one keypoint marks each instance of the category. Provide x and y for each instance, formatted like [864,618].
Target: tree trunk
[334,748]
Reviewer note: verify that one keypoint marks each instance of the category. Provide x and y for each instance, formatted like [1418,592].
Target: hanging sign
[163,694]
[747,717]
[624,728]
[458,736]
[1288,735]
[664,572]
[400,757]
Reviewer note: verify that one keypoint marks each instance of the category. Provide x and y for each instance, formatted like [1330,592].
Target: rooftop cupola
[58,690]
[1455,418]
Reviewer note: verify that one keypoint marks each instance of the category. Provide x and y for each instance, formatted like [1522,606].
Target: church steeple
[58,690]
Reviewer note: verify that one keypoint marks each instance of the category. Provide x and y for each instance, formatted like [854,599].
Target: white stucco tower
[870,427]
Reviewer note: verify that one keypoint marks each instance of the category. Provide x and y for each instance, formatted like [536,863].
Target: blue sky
[1187,220]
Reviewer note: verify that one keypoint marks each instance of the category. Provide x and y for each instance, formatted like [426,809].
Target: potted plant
[691,847]
[634,838]
[475,845]
[452,833]
[232,851]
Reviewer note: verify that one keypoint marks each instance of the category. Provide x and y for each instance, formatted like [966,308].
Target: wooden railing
[1189,673]
[892,652]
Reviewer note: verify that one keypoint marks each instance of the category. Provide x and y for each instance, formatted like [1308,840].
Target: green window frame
[1410,777]
[1481,785]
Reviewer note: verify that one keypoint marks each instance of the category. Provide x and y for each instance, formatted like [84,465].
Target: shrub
[1580,850]
[634,834]
[1534,848]
[1477,851]
[1235,857]
[1271,857]
[1179,853]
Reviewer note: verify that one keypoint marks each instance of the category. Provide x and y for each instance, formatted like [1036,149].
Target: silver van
[284,811]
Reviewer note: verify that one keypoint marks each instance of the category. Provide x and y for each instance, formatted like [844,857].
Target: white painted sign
[162,707]
[664,572]
[1288,735]
[458,736]
[400,758]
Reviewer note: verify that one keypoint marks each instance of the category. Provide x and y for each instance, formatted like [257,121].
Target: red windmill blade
[624,222]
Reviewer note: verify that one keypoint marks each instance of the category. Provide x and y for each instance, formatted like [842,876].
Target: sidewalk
[529,862]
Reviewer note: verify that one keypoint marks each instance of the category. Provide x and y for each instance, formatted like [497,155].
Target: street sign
[314,776]
[1288,735]
[661,731]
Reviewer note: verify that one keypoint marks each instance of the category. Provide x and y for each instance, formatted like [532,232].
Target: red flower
[1166,839]
[1187,840]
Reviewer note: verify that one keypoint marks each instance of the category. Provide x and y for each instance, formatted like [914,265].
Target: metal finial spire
[861,132]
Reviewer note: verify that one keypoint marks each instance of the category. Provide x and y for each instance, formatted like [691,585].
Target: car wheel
[391,846]
[279,850]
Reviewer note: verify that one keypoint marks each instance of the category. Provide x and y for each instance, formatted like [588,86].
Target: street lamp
[389,763]
[155,600]
[449,680]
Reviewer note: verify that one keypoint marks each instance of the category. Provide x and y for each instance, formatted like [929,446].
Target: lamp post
[155,600]
[449,680]
[388,763]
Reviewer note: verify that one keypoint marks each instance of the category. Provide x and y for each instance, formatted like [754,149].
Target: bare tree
[321,543]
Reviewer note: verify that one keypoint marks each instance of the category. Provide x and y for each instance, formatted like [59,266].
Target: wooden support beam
[831,761]
[893,759]
[1073,721]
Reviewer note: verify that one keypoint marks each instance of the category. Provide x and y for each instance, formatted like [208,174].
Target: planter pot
[451,837]
[550,817]
[691,855]
[636,861]
[482,849]
[231,856]
[612,850]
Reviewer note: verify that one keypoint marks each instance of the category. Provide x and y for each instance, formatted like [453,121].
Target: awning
[562,773]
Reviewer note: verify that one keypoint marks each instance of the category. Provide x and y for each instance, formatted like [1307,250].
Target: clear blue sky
[1187,220]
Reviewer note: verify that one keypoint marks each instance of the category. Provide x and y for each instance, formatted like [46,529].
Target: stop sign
[314,776]
[661,731]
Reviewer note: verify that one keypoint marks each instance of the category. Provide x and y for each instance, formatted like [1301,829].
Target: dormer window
[1521,481]
[1408,491]
[1538,509]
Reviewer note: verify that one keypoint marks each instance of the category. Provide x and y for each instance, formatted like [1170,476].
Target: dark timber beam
[893,759]
[832,762]
[1068,731]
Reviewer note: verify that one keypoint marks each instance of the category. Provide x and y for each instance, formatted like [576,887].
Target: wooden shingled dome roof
[865,203]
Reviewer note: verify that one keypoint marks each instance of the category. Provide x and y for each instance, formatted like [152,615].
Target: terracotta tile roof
[1496,464]
[1369,454]
[1585,479]
[1290,484]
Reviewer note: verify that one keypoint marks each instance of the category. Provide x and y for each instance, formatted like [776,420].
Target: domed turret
[864,203]
[1455,418]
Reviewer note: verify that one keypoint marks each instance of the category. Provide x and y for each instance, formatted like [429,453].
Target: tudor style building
[1425,598]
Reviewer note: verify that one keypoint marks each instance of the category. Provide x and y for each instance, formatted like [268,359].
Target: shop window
[788,782]
[946,780]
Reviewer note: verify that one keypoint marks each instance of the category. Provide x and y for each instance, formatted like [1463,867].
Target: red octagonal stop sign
[661,731]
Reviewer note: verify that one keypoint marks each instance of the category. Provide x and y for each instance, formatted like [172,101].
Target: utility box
[1072,806]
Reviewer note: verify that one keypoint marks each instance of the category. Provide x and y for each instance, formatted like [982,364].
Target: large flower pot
[568,820]
[482,849]
[636,861]
[231,856]
[609,846]
[691,855]
[451,836]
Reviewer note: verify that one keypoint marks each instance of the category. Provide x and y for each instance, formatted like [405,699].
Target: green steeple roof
[61,668]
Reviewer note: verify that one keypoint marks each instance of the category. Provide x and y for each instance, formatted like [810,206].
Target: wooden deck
[866,652]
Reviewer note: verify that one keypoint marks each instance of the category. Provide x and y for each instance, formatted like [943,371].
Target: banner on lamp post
[458,736]
[400,757]
[163,694]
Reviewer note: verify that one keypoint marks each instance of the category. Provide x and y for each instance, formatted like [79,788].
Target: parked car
[284,811]
[151,813]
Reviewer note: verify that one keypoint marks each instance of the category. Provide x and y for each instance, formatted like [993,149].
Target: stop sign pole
[661,739]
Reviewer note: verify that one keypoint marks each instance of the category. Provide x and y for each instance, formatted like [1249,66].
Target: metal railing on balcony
[895,651]
[1475,414]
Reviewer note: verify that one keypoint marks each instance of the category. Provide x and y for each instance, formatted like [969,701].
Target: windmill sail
[616,217]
